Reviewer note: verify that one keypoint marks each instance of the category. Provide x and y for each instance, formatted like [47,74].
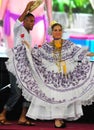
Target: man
[22,29]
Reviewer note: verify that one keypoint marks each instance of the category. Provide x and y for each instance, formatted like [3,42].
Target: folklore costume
[56,82]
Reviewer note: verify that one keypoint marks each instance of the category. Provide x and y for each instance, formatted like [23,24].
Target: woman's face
[57,32]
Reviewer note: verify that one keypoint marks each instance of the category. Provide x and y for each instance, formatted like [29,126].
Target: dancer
[53,78]
[15,92]
[11,10]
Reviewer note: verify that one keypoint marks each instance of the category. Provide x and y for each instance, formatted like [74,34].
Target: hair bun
[53,22]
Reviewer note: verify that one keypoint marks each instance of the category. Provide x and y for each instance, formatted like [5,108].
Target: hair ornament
[51,24]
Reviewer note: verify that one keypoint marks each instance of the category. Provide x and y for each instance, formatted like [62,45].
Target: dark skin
[27,10]
[29,23]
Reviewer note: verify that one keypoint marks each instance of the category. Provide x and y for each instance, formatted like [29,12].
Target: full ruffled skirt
[51,93]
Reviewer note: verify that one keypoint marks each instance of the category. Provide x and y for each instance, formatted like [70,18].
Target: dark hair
[56,24]
[28,15]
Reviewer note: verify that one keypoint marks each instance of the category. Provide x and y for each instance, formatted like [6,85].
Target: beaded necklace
[57,54]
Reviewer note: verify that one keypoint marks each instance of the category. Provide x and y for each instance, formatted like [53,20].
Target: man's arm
[27,10]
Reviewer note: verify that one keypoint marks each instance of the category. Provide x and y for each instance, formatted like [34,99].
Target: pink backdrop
[11,9]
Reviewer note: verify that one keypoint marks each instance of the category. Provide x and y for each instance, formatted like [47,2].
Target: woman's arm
[26,43]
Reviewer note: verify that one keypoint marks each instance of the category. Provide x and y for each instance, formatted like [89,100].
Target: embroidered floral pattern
[50,78]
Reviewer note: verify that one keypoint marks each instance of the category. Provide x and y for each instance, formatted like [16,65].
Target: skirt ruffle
[51,93]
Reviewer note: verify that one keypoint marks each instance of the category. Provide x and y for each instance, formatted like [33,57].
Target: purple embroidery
[52,80]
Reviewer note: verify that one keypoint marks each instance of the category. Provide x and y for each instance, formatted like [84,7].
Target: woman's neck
[56,38]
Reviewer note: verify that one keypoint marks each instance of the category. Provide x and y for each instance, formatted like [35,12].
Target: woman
[10,11]
[56,76]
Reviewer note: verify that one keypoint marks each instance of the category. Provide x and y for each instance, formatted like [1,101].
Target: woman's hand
[26,43]
[90,54]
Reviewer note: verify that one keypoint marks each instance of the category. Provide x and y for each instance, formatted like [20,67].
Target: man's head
[29,21]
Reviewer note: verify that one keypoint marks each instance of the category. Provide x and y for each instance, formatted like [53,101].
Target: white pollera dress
[43,81]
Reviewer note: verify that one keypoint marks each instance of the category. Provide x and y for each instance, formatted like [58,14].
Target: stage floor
[48,125]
